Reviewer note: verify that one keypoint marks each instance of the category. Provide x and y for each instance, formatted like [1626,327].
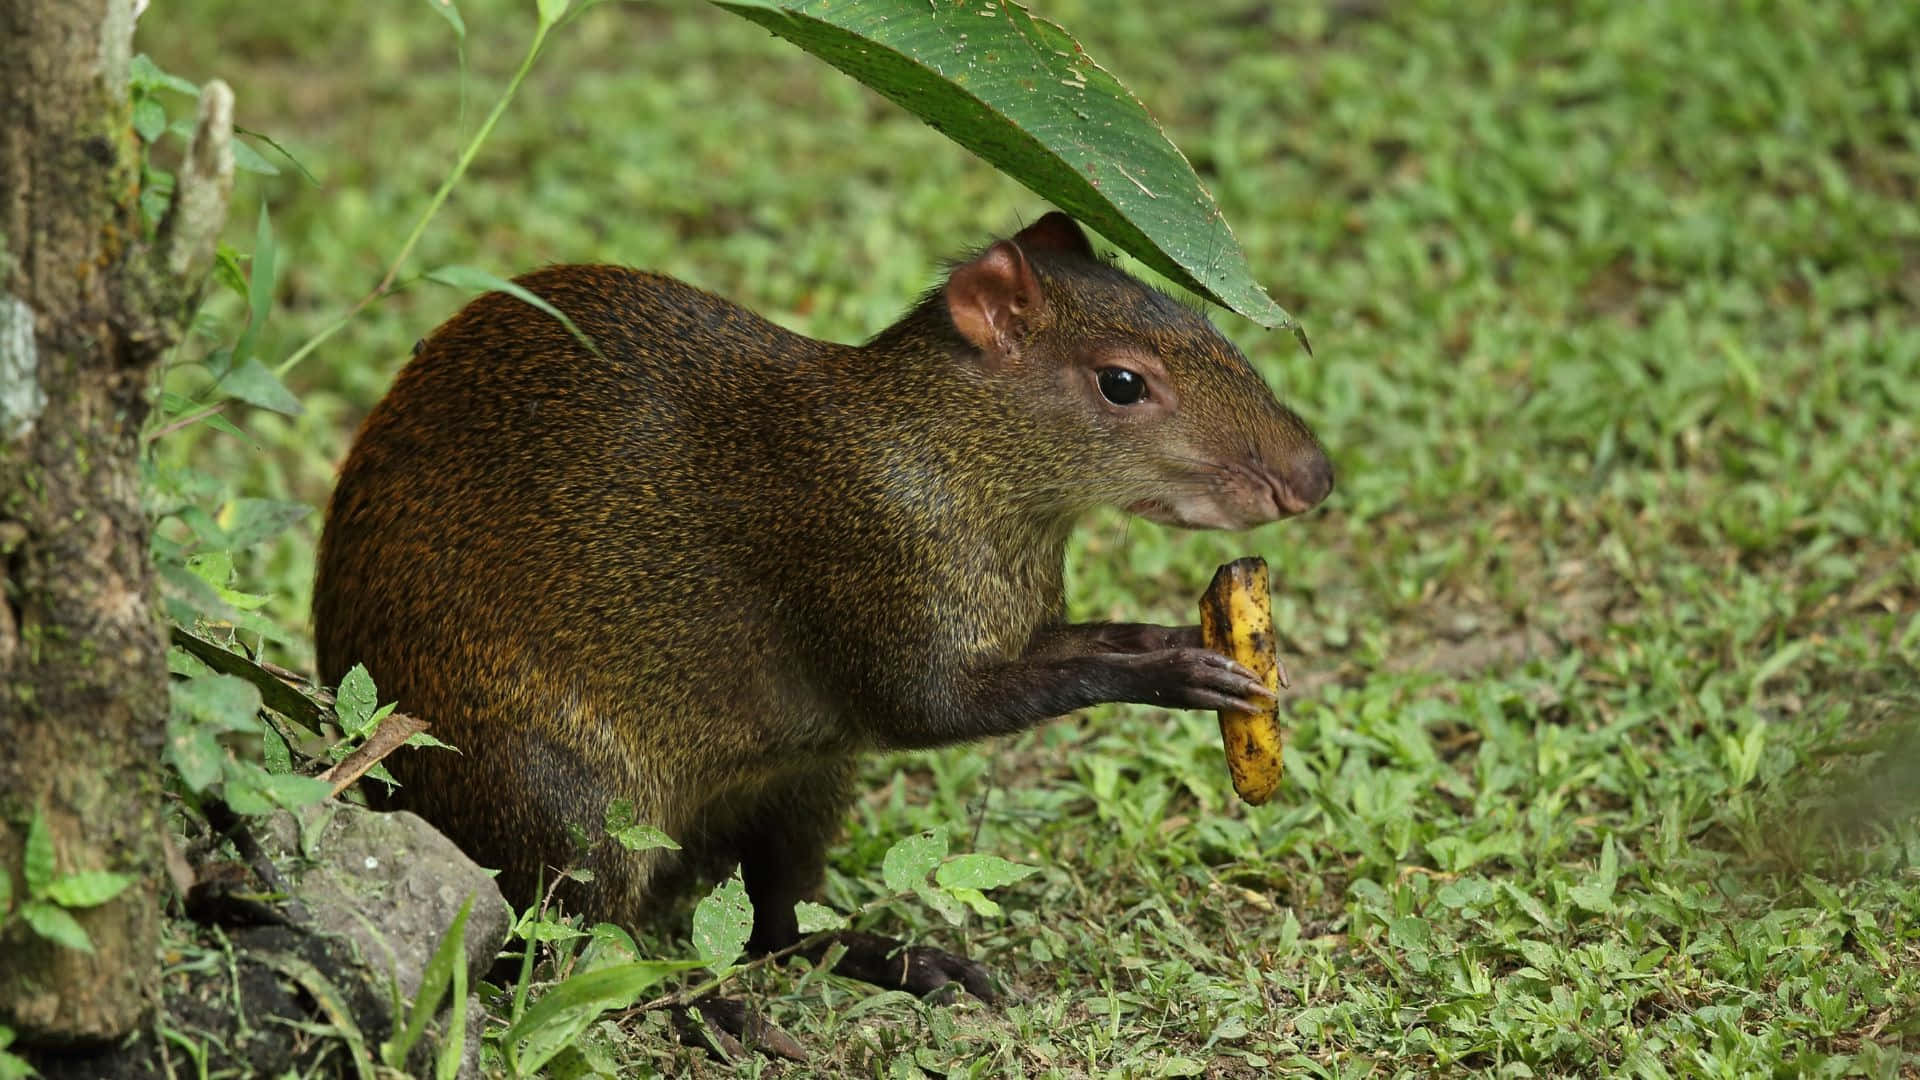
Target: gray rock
[391,884]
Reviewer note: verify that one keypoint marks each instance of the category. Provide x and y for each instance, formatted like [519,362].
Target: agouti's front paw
[1195,678]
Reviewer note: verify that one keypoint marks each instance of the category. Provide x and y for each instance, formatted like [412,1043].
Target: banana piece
[1236,620]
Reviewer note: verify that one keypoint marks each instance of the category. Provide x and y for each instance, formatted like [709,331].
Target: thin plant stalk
[439,199]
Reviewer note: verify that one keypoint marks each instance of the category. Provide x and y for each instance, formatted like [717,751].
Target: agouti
[709,568]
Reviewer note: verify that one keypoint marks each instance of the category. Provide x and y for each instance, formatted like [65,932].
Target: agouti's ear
[1055,231]
[992,297]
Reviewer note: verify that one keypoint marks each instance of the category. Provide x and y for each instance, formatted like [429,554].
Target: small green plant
[219,742]
[52,897]
[357,709]
[229,371]
[213,735]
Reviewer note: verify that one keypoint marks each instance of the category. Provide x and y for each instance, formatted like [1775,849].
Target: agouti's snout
[1302,481]
[1277,471]
[1275,485]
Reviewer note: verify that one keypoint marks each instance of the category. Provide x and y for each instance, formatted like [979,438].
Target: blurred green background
[1606,641]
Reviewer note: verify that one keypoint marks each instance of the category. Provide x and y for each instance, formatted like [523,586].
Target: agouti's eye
[1122,387]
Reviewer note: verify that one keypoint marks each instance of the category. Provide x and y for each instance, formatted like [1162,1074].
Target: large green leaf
[722,922]
[1020,92]
[908,862]
[980,872]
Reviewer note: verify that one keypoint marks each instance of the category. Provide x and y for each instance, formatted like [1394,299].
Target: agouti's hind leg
[782,845]
[783,855]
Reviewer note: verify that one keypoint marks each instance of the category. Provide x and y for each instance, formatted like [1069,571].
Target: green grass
[1603,758]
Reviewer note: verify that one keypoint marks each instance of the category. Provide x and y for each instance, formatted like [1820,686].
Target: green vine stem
[472,150]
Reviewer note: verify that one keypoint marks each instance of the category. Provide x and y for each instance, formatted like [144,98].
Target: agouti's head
[1165,418]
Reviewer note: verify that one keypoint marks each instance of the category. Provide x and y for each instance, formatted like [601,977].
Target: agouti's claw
[731,1029]
[916,969]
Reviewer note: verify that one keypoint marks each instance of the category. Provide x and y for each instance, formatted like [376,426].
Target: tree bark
[88,302]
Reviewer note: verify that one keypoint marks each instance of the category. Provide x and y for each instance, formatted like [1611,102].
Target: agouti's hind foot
[727,1028]
[916,969]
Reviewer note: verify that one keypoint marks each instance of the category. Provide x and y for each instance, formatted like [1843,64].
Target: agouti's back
[705,569]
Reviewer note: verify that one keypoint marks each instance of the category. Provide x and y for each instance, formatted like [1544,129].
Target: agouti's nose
[1302,480]
[1311,478]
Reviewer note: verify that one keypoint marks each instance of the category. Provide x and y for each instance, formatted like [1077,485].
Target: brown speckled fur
[707,572]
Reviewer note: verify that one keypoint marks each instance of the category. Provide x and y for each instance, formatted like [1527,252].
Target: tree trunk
[88,301]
